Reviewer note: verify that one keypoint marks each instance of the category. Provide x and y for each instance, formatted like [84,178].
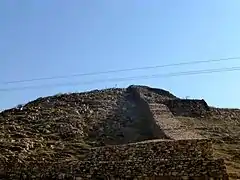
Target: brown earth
[60,128]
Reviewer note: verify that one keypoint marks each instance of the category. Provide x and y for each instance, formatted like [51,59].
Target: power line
[119,70]
[184,73]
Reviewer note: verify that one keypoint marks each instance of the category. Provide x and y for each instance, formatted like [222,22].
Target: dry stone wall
[187,107]
[152,149]
[165,169]
[155,159]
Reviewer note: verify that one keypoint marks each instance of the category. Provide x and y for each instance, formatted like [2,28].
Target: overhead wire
[119,70]
[183,73]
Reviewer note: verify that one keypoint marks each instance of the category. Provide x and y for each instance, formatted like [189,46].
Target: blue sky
[59,37]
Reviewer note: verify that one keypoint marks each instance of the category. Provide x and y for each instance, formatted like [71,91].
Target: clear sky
[59,37]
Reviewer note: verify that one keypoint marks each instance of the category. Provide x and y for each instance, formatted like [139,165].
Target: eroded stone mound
[52,134]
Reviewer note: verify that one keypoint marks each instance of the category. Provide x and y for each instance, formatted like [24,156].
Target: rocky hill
[63,127]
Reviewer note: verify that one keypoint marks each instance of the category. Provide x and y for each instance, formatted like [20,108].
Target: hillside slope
[60,128]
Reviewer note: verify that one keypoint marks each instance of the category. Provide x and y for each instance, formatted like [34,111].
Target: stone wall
[224,113]
[160,158]
[187,107]
[152,149]
[154,159]
[165,169]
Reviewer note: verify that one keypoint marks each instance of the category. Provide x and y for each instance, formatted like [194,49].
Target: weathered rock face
[69,136]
